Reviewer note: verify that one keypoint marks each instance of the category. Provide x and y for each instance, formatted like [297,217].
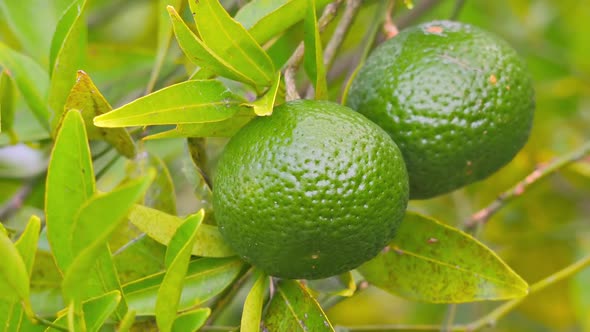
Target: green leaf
[86,98]
[7,104]
[191,320]
[70,183]
[266,19]
[14,278]
[350,285]
[31,80]
[127,321]
[95,222]
[186,102]
[231,41]
[252,312]
[98,310]
[294,309]
[201,55]
[161,195]
[161,226]
[68,55]
[27,243]
[313,60]
[177,258]
[198,152]
[205,278]
[432,262]
[264,105]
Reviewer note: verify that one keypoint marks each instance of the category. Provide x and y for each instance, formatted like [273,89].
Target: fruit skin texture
[312,191]
[457,100]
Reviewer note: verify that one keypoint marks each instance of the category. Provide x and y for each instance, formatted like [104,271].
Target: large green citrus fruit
[457,100]
[312,191]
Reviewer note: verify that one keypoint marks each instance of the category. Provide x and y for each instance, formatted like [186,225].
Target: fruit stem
[541,172]
[295,60]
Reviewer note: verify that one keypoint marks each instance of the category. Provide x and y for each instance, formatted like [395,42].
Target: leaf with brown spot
[86,98]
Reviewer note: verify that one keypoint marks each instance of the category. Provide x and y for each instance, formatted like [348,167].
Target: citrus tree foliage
[112,118]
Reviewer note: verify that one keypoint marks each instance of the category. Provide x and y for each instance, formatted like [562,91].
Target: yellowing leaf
[265,105]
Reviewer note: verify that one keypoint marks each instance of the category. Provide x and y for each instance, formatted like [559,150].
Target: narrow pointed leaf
[14,278]
[294,309]
[70,183]
[7,103]
[231,41]
[201,55]
[432,262]
[313,60]
[161,227]
[177,258]
[95,222]
[191,320]
[99,309]
[27,243]
[31,79]
[205,278]
[265,105]
[86,98]
[127,322]
[252,312]
[198,151]
[186,102]
[68,55]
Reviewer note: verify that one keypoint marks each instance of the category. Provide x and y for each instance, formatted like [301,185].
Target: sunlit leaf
[252,312]
[264,105]
[68,55]
[95,222]
[178,256]
[86,98]
[191,320]
[186,102]
[70,183]
[350,286]
[231,41]
[201,55]
[313,60]
[14,278]
[31,80]
[294,309]
[429,261]
[161,226]
[205,278]
[97,310]
[7,105]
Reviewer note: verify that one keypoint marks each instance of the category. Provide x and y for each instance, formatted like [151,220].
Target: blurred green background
[537,234]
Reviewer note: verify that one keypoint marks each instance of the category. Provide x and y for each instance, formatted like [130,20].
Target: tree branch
[542,171]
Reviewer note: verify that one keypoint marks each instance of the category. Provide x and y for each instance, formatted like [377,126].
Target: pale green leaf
[178,256]
[432,262]
[7,104]
[205,278]
[186,102]
[127,321]
[14,278]
[201,55]
[313,60]
[293,309]
[68,55]
[252,312]
[86,98]
[95,222]
[70,183]
[31,80]
[161,226]
[264,105]
[98,310]
[231,41]
[191,320]
[27,243]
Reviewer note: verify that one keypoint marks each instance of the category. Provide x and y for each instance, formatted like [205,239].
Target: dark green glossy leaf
[294,309]
[68,55]
[205,278]
[86,98]
[313,60]
[161,226]
[265,105]
[177,258]
[201,55]
[432,262]
[191,320]
[186,102]
[70,183]
[31,80]
[231,41]
[252,312]
[95,222]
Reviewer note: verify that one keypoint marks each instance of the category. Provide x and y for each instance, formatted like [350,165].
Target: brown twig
[389,26]
[483,215]
[297,56]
